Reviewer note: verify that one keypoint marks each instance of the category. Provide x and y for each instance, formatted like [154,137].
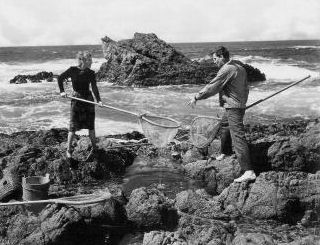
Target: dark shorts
[82,114]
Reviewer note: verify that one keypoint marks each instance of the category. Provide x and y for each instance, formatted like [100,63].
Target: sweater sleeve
[95,88]
[216,85]
[63,76]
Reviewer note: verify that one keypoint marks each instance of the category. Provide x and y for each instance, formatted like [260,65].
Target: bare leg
[69,147]
[92,136]
[92,154]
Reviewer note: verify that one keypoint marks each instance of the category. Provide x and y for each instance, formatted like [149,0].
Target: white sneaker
[247,176]
[221,157]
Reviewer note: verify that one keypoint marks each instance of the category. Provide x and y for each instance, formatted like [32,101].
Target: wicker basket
[8,185]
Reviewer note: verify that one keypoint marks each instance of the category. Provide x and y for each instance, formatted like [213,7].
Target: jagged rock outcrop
[287,196]
[33,153]
[253,239]
[216,175]
[286,190]
[40,152]
[308,240]
[150,208]
[59,224]
[254,74]
[163,237]
[37,78]
[199,205]
[300,153]
[30,153]
[283,195]
[147,60]
[199,225]
[287,146]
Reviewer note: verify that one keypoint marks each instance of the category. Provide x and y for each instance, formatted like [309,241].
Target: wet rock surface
[280,207]
[150,208]
[40,152]
[59,224]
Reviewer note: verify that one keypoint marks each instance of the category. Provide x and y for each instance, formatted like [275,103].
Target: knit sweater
[232,85]
[81,79]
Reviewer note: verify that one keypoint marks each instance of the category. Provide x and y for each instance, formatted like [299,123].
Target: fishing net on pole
[159,130]
[203,130]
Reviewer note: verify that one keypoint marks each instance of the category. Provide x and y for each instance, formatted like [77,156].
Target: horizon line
[57,45]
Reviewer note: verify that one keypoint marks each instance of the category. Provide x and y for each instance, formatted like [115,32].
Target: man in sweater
[232,85]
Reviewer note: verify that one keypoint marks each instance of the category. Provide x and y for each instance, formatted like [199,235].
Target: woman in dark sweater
[82,115]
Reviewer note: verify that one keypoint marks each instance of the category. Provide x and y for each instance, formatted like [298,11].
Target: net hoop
[210,117]
[159,130]
[201,135]
[144,117]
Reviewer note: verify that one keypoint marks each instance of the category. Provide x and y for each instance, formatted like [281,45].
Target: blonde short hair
[84,55]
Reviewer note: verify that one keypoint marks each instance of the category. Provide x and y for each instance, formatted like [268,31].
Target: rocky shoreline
[280,207]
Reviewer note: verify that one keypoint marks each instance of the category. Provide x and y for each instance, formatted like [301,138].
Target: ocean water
[39,106]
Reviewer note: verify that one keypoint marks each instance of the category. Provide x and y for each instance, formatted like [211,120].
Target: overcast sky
[66,22]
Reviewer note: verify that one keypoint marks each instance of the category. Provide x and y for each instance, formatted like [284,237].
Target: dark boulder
[37,78]
[253,239]
[215,175]
[164,237]
[286,146]
[199,204]
[284,196]
[297,153]
[286,189]
[54,225]
[210,70]
[308,240]
[60,224]
[40,152]
[254,74]
[147,60]
[292,198]
[150,208]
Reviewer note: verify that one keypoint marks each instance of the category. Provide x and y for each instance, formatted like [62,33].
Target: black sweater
[81,79]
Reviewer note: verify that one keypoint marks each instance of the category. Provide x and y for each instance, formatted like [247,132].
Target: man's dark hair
[221,52]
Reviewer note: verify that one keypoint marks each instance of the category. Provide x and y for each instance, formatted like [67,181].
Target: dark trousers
[232,133]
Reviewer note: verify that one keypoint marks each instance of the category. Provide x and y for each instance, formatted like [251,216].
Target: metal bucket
[35,187]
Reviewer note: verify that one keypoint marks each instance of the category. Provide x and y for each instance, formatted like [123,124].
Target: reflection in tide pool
[170,181]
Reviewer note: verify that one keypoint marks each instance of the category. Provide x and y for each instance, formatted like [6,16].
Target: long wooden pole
[82,200]
[102,105]
[291,85]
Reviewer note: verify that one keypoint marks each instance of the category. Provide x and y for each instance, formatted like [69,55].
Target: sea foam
[277,69]
[305,47]
[9,70]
